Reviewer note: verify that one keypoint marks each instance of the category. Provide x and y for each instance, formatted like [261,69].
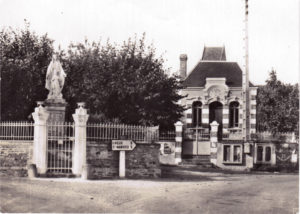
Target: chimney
[183,64]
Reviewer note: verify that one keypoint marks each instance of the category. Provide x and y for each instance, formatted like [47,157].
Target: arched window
[234,114]
[197,114]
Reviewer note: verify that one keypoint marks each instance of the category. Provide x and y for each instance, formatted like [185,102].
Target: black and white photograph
[149,106]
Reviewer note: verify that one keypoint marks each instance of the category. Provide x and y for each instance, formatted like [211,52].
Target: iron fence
[289,137]
[167,135]
[16,131]
[60,131]
[121,131]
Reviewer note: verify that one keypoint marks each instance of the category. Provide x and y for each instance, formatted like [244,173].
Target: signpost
[122,146]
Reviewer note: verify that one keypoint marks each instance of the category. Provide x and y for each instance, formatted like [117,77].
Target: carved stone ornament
[40,115]
[216,92]
[81,118]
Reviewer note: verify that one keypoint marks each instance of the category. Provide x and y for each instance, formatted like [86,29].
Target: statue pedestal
[56,109]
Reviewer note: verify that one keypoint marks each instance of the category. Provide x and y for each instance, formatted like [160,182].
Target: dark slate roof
[230,70]
[214,54]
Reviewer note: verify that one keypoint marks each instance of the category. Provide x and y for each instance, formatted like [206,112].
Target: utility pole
[246,107]
[0,85]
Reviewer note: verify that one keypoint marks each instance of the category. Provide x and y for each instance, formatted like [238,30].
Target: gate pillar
[40,116]
[79,155]
[178,141]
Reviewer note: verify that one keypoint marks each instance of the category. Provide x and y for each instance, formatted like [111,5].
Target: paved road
[205,193]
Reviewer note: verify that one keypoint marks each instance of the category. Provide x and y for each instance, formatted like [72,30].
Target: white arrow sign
[123,145]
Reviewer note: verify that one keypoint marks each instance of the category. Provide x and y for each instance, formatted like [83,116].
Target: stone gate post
[79,153]
[178,141]
[213,142]
[40,116]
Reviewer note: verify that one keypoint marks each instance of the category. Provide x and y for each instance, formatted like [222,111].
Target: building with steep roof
[213,91]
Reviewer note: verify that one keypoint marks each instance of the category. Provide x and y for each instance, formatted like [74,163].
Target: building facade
[213,92]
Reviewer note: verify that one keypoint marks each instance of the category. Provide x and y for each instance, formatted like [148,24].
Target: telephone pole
[246,107]
[0,85]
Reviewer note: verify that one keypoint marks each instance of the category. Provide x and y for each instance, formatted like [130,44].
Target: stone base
[56,109]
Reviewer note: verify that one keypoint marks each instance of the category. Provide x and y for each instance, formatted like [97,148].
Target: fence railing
[288,137]
[167,135]
[121,131]
[25,131]
[16,131]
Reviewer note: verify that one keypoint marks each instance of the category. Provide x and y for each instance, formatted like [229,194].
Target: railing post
[40,116]
[178,142]
[213,142]
[79,153]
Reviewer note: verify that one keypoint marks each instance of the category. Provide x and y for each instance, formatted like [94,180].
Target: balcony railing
[233,134]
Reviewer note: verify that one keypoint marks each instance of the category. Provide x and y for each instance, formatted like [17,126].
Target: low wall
[246,163]
[283,157]
[286,157]
[142,162]
[14,157]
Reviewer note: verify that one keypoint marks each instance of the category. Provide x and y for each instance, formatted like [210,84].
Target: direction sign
[123,145]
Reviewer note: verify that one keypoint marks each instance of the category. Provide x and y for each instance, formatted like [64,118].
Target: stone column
[56,109]
[178,141]
[213,142]
[79,153]
[40,116]
[225,119]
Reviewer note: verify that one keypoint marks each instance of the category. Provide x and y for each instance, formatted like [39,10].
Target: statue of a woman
[55,79]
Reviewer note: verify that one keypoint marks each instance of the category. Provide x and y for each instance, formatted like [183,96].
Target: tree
[125,83]
[24,60]
[277,106]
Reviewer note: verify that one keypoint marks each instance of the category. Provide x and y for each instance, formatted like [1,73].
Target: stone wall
[14,157]
[142,162]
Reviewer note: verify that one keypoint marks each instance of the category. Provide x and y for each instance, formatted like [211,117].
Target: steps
[189,172]
[197,160]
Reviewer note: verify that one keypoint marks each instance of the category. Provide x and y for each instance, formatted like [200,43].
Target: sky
[174,27]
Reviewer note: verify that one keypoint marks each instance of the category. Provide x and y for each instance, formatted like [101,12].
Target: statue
[55,79]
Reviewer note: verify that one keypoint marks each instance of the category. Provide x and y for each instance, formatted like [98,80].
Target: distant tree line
[24,58]
[120,83]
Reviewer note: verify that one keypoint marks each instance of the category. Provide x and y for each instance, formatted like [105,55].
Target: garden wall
[142,162]
[14,157]
[286,157]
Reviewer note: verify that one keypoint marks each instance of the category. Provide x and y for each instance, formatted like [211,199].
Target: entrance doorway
[216,114]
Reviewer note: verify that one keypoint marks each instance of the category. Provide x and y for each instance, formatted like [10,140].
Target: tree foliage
[126,83]
[277,106]
[24,58]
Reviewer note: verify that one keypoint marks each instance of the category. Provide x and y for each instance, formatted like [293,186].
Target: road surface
[205,193]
